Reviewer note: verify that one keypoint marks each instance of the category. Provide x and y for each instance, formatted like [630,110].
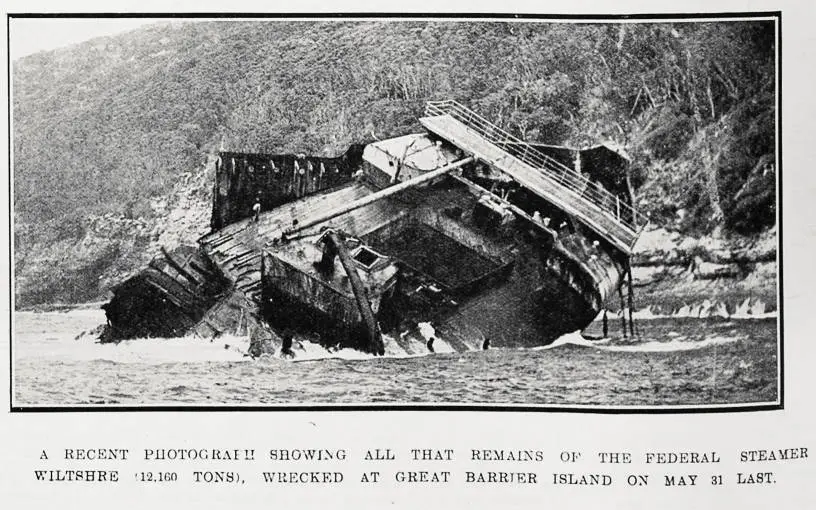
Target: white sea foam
[393,350]
[573,338]
[677,343]
[164,350]
[674,345]
[66,336]
[752,309]
[748,309]
[65,345]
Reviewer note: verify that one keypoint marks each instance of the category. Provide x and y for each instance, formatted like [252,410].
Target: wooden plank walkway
[533,179]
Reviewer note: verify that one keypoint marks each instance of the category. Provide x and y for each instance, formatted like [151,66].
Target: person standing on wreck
[286,344]
[256,209]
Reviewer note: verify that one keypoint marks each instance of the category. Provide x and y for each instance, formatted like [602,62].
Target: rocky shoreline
[706,276]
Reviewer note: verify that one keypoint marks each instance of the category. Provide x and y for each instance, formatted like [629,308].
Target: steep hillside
[77,261]
[111,137]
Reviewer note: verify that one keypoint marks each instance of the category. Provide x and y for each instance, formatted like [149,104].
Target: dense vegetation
[108,125]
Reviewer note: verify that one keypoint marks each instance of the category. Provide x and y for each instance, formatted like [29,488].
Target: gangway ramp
[600,210]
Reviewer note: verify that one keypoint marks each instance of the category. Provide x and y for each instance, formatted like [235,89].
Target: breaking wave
[639,345]
[39,340]
[748,309]
[66,336]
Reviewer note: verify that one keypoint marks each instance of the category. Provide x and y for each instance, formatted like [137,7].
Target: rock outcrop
[705,276]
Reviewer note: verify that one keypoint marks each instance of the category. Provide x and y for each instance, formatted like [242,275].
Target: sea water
[672,361]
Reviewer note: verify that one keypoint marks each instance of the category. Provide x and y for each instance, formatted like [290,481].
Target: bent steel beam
[375,343]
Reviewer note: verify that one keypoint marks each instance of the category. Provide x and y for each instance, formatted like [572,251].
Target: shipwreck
[453,239]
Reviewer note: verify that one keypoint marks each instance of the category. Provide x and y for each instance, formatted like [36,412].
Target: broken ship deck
[505,313]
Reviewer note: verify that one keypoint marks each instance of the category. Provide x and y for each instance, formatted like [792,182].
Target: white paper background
[23,436]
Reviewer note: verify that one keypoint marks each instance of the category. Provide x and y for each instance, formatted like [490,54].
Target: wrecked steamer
[448,240]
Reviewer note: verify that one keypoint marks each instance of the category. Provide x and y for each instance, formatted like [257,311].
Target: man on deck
[256,209]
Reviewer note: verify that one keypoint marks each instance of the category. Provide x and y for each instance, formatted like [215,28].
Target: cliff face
[114,138]
[709,275]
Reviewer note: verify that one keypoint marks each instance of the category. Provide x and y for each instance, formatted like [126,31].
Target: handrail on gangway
[622,212]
